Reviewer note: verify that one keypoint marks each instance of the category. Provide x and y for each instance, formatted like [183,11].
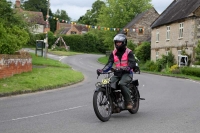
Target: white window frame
[181,30]
[157,35]
[168,33]
[167,52]
[157,55]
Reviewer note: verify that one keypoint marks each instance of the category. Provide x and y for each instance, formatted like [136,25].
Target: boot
[129,105]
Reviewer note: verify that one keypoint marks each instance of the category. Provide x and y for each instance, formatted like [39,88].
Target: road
[172,105]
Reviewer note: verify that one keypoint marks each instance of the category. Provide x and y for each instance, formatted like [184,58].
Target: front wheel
[135,99]
[102,106]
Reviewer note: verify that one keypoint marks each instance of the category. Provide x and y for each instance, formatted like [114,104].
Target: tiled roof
[177,10]
[136,19]
[34,17]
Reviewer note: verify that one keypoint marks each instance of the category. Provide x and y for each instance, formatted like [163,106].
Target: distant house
[68,29]
[35,19]
[140,26]
[176,29]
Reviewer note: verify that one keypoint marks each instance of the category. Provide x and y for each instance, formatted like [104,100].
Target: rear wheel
[102,106]
[135,99]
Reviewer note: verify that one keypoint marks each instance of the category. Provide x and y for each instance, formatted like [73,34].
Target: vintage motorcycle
[107,100]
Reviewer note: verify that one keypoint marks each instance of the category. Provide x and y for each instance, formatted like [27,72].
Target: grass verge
[46,74]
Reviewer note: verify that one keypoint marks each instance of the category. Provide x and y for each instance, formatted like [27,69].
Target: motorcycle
[107,101]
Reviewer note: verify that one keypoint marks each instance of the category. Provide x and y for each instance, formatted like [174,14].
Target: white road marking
[193,81]
[48,113]
[61,58]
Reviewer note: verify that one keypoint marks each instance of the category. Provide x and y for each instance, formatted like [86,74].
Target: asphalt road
[172,105]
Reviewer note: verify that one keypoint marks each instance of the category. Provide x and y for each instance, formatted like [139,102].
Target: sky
[77,8]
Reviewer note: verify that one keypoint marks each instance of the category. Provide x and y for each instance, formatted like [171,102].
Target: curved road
[172,105]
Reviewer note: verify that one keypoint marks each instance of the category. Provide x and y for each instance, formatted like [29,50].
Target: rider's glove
[127,69]
[99,71]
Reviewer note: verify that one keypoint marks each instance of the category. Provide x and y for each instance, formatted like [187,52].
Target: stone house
[68,29]
[176,29]
[35,19]
[139,27]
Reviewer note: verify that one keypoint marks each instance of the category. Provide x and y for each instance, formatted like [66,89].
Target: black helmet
[120,38]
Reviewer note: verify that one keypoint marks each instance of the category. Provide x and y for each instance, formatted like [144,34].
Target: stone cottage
[140,29]
[176,29]
[34,19]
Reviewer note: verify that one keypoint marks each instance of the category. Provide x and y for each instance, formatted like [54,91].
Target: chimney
[17,3]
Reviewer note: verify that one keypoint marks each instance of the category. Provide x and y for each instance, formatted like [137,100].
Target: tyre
[135,99]
[102,106]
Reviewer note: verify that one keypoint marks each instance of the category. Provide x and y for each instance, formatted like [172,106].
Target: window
[168,33]
[73,32]
[141,31]
[157,35]
[36,26]
[167,53]
[181,30]
[157,55]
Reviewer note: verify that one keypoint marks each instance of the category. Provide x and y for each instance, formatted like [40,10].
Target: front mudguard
[99,88]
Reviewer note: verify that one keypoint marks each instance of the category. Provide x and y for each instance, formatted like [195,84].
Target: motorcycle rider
[124,61]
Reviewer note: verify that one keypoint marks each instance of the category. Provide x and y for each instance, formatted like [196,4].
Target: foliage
[131,45]
[83,43]
[117,13]
[165,62]
[175,69]
[143,51]
[13,32]
[62,15]
[149,66]
[197,51]
[90,17]
[191,71]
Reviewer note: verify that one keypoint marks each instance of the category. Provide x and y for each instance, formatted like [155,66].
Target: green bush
[149,66]
[143,51]
[165,62]
[190,71]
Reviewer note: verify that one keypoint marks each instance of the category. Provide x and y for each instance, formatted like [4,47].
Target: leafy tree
[90,18]
[117,13]
[62,15]
[197,51]
[143,51]
[13,32]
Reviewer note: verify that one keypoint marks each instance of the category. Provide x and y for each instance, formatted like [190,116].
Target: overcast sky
[77,8]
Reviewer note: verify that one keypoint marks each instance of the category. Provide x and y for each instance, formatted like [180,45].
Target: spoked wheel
[102,106]
[135,99]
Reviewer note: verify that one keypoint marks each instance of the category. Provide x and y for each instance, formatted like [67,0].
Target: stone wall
[15,64]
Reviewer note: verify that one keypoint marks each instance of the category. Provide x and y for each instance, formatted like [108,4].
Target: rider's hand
[127,69]
[99,71]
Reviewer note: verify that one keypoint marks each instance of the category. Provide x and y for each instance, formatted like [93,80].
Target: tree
[62,15]
[143,51]
[13,32]
[197,51]
[117,13]
[90,17]
[36,5]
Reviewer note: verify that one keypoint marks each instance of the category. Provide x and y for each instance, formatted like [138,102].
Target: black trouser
[123,81]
